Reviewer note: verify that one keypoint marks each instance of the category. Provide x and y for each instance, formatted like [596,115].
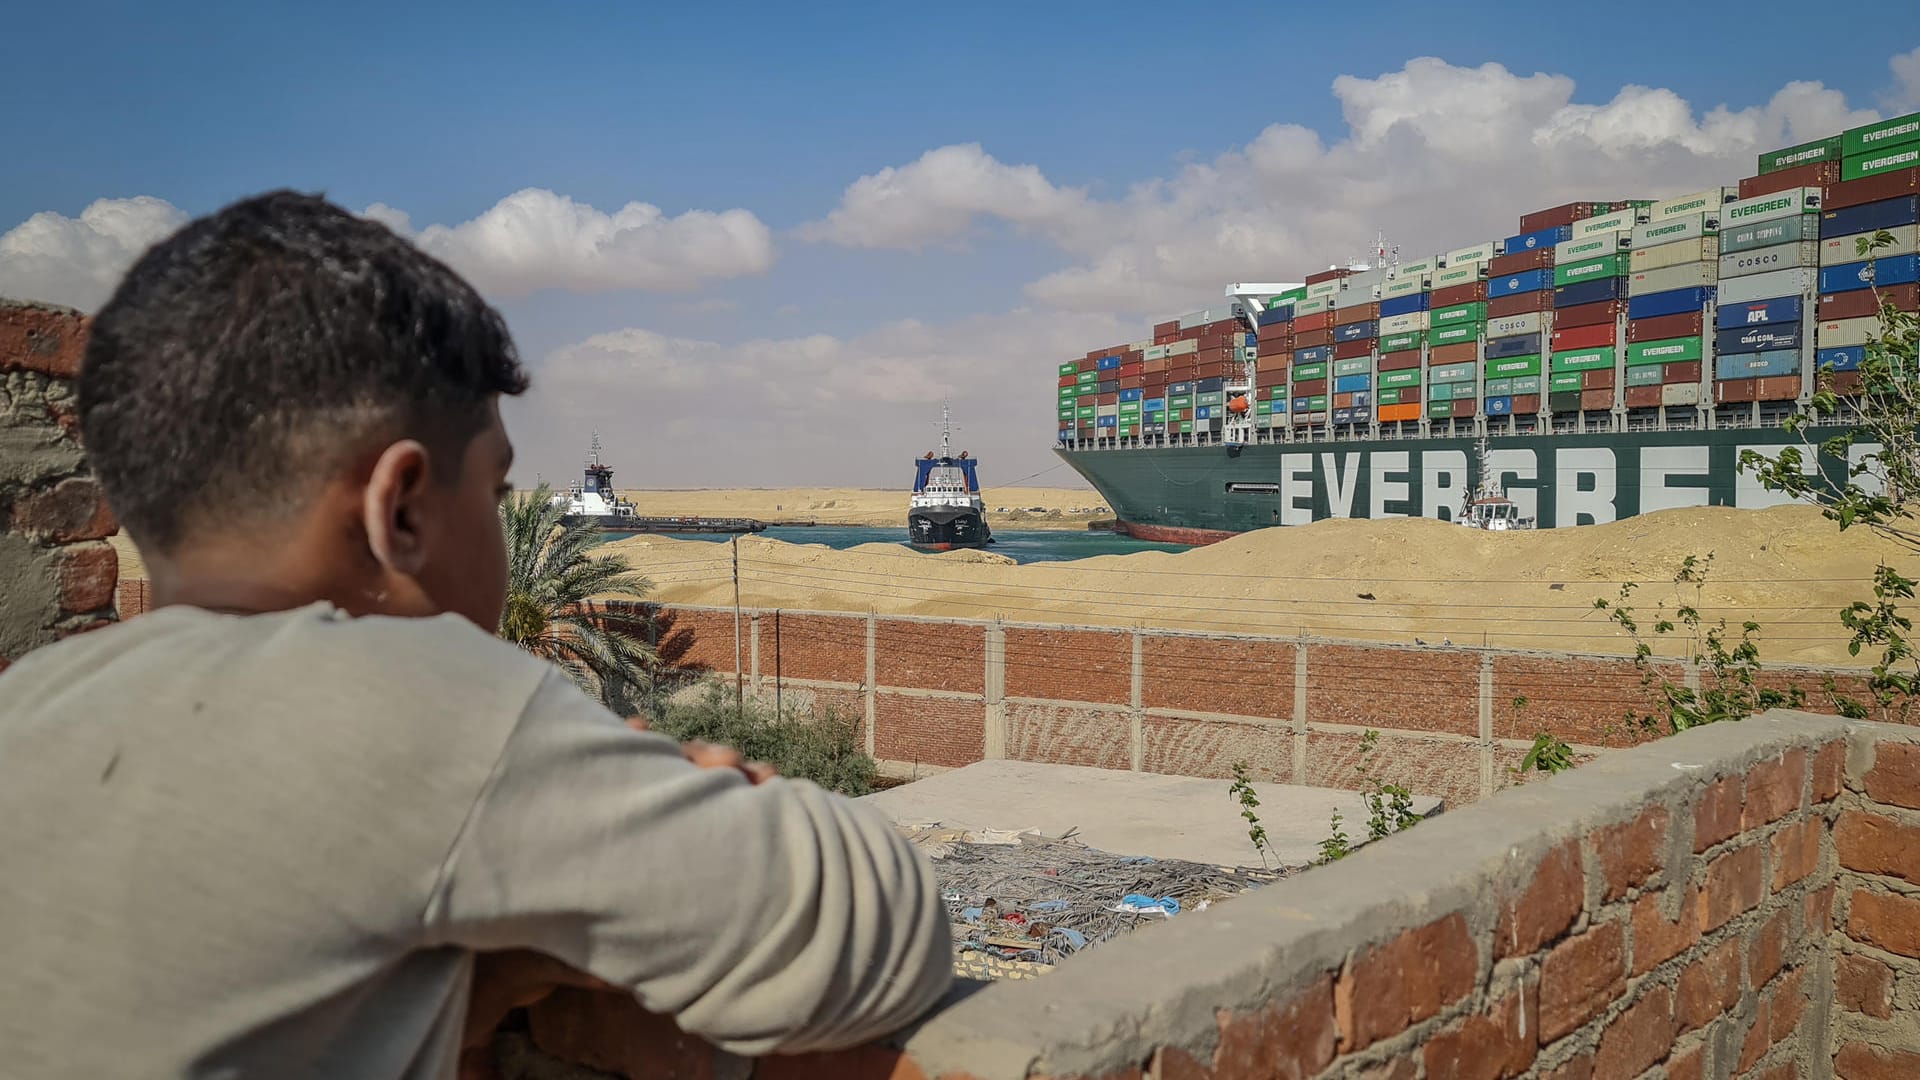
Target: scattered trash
[1142,904]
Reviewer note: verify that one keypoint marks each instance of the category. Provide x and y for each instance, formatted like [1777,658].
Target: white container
[1767,207]
[1767,259]
[1661,256]
[1707,202]
[1183,347]
[1768,286]
[1680,394]
[1666,279]
[1403,286]
[1466,256]
[1154,352]
[1673,230]
[1533,322]
[1832,333]
[1418,267]
[1840,250]
[1458,275]
[1580,249]
[1618,221]
[1401,324]
[1354,296]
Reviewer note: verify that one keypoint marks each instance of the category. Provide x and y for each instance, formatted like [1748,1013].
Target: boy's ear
[392,504]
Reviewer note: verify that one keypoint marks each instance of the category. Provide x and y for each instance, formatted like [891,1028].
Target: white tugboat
[946,510]
[1489,508]
[593,501]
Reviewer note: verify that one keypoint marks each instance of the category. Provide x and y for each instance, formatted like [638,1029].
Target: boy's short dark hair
[256,350]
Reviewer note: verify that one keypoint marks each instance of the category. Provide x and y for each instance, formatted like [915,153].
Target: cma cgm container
[1603,348]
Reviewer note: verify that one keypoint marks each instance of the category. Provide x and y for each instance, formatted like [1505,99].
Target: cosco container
[1653,305]
[1673,230]
[1604,266]
[1807,153]
[1771,312]
[1661,256]
[1743,339]
[1542,238]
[1870,217]
[1882,161]
[1896,270]
[1524,282]
[1667,279]
[1834,333]
[1511,346]
[1583,359]
[1778,257]
[1767,207]
[1588,292]
[1835,250]
[1742,290]
[1514,325]
[1790,230]
[1757,365]
[1700,202]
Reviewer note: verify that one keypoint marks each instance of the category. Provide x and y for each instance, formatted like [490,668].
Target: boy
[264,829]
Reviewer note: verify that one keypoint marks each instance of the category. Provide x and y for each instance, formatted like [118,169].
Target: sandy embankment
[1061,508]
[1395,580]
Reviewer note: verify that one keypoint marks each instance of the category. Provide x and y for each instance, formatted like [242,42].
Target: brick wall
[57,572]
[1736,901]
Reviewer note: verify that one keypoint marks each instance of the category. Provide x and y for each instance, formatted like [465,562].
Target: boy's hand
[712,756]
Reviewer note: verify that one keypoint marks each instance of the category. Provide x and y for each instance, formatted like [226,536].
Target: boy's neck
[252,578]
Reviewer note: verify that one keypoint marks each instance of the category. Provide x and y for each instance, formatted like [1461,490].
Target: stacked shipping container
[1589,302]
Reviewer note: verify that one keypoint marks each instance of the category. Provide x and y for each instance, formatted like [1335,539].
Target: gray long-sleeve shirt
[269,846]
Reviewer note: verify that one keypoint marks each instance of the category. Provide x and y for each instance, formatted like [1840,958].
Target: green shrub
[821,747]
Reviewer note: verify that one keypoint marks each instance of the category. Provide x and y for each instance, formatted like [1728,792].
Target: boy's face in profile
[465,568]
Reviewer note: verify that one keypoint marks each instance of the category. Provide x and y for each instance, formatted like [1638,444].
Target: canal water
[1020,545]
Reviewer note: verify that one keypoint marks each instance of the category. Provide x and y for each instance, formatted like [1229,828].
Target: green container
[1403,377]
[1402,342]
[1644,375]
[1066,412]
[1514,366]
[1583,359]
[1669,351]
[1605,266]
[1441,391]
[1303,372]
[1215,398]
[1459,313]
[1391,397]
[1452,335]
[1127,430]
[1880,161]
[1067,392]
[1085,412]
[1499,387]
[1453,373]
[1089,378]
[1071,367]
[1526,384]
[1186,427]
[1317,403]
[1563,380]
[1155,417]
[1806,153]
[1263,408]
[1439,410]
[1184,401]
[1870,139]
[1129,408]
[1357,365]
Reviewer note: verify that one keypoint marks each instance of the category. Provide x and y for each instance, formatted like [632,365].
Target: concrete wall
[57,572]
[1737,900]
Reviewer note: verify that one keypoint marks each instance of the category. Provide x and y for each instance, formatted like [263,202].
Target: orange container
[1400,412]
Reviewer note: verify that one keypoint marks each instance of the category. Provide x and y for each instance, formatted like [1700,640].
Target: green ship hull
[1202,493]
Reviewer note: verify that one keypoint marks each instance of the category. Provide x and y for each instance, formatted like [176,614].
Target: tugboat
[593,501]
[946,510]
[1489,508]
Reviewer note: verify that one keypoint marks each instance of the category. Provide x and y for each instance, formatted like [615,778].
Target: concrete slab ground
[1130,813]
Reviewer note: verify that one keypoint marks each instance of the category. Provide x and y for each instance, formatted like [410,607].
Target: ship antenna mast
[946,428]
[593,454]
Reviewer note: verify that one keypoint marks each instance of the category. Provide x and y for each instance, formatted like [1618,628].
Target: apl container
[1667,279]
[1776,311]
[1661,256]
[1743,290]
[1895,270]
[1762,260]
[1836,250]
[1789,230]
[1757,365]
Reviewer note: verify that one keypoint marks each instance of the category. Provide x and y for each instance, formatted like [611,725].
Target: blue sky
[1131,146]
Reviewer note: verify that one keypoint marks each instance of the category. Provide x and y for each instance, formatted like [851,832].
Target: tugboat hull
[944,530]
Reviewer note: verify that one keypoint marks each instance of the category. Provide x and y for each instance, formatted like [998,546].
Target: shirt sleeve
[770,917]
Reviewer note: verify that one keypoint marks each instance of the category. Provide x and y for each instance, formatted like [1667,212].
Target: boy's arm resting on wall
[761,917]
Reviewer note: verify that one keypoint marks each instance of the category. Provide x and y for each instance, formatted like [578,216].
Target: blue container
[1203,412]
[1347,384]
[1887,270]
[1499,406]
[1405,305]
[1274,316]
[1107,386]
[1525,281]
[1867,217]
[1156,404]
[1180,388]
[1358,415]
[1841,358]
[1746,339]
[1132,395]
[1757,365]
[1674,302]
[1279,406]
[1529,241]
[1107,363]
[1362,399]
[1501,348]
[1300,404]
[1066,434]
[1106,421]
[1315,355]
[1343,416]
[1208,386]
[1356,331]
[1596,291]
[1786,309]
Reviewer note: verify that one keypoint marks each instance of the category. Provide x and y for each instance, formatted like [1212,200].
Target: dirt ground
[1024,507]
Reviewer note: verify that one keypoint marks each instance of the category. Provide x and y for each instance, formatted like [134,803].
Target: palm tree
[550,578]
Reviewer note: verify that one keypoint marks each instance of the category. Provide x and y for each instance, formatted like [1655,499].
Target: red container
[1327,275]
[1349,350]
[1068,380]
[1687,371]
[1107,399]
[1685,324]
[1311,386]
[1462,407]
[1861,303]
[1605,311]
[1457,294]
[1464,352]
[1166,329]
[1887,185]
[1818,174]
[1596,400]
[1132,382]
[1347,316]
[1319,320]
[1131,370]
[1400,361]
[1597,379]
[1526,404]
[1166,339]
[1643,397]
[1210,371]
[1089,364]
[1343,401]
[1520,304]
[1313,338]
[1156,378]
[1565,214]
[1584,337]
[1152,367]
[1777,388]
[1848,382]
[1734,391]
[1501,266]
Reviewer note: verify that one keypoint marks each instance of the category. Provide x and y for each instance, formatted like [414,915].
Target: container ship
[946,510]
[1616,355]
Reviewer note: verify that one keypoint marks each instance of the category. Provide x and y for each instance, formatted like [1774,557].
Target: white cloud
[77,261]
[1905,95]
[535,239]
[1437,155]
[808,410]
